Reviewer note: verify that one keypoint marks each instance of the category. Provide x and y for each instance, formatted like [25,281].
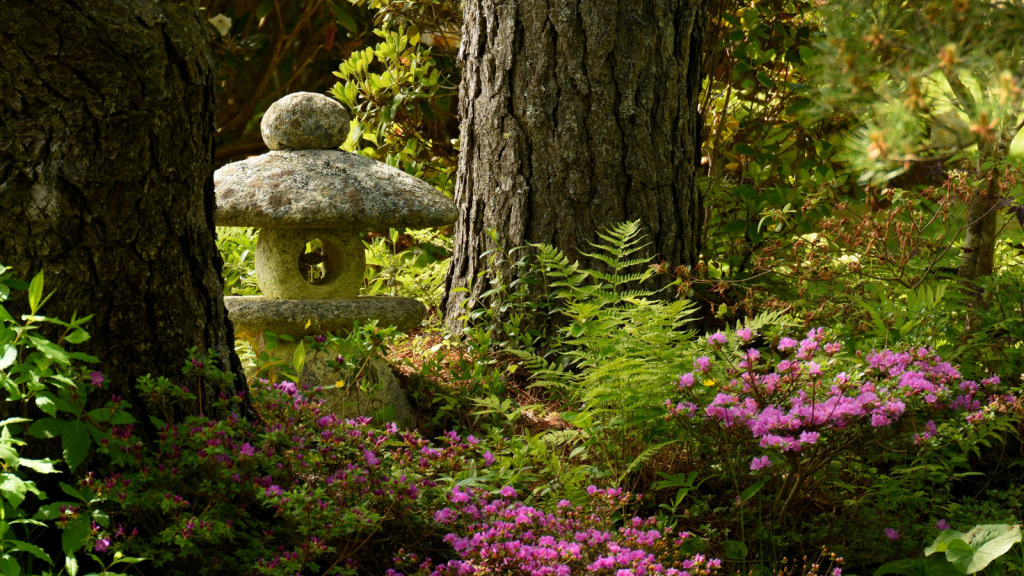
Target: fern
[621,350]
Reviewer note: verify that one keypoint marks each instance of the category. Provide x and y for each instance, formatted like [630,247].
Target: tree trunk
[106,145]
[576,115]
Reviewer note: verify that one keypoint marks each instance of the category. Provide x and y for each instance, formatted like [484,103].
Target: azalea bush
[801,404]
[499,534]
[298,491]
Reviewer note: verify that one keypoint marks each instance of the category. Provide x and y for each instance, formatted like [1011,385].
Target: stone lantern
[306,190]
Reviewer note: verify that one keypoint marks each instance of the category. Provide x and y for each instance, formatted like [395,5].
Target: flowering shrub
[300,491]
[799,404]
[498,534]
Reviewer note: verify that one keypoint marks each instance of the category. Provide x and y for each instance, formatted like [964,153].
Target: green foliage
[414,272]
[238,249]
[964,553]
[402,101]
[40,373]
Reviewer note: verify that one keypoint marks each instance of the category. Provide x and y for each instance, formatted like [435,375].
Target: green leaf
[799,105]
[75,441]
[13,488]
[75,536]
[49,349]
[906,567]
[264,8]
[45,402]
[8,356]
[735,550]
[31,549]
[765,80]
[9,566]
[44,466]
[984,544]
[735,227]
[47,428]
[299,359]
[743,148]
[942,541]
[8,454]
[750,492]
[344,18]
[15,420]
[71,565]
[35,292]
[78,336]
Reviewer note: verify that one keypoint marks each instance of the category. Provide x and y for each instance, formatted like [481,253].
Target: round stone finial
[305,121]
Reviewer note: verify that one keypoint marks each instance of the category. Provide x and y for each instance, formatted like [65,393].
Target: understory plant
[499,534]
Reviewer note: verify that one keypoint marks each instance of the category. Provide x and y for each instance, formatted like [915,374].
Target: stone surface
[325,189]
[305,121]
[278,271]
[255,314]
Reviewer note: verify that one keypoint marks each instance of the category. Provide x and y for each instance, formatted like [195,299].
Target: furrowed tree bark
[576,115]
[106,147]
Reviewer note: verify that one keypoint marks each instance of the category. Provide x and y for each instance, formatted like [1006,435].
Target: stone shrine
[306,191]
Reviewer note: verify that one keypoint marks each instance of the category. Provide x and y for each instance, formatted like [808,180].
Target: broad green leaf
[942,541]
[735,550]
[47,403]
[75,441]
[47,428]
[9,566]
[71,565]
[8,454]
[983,544]
[75,535]
[12,488]
[78,336]
[49,349]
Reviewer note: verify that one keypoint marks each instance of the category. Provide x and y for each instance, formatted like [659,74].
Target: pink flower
[247,450]
[488,459]
[762,462]
[837,572]
[745,334]
[809,437]
[508,492]
[97,379]
[686,380]
[702,364]
[371,458]
[102,544]
[786,344]
[717,339]
[942,524]
[892,534]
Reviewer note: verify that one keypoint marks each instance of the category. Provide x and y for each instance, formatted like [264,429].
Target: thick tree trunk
[106,145]
[576,114]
